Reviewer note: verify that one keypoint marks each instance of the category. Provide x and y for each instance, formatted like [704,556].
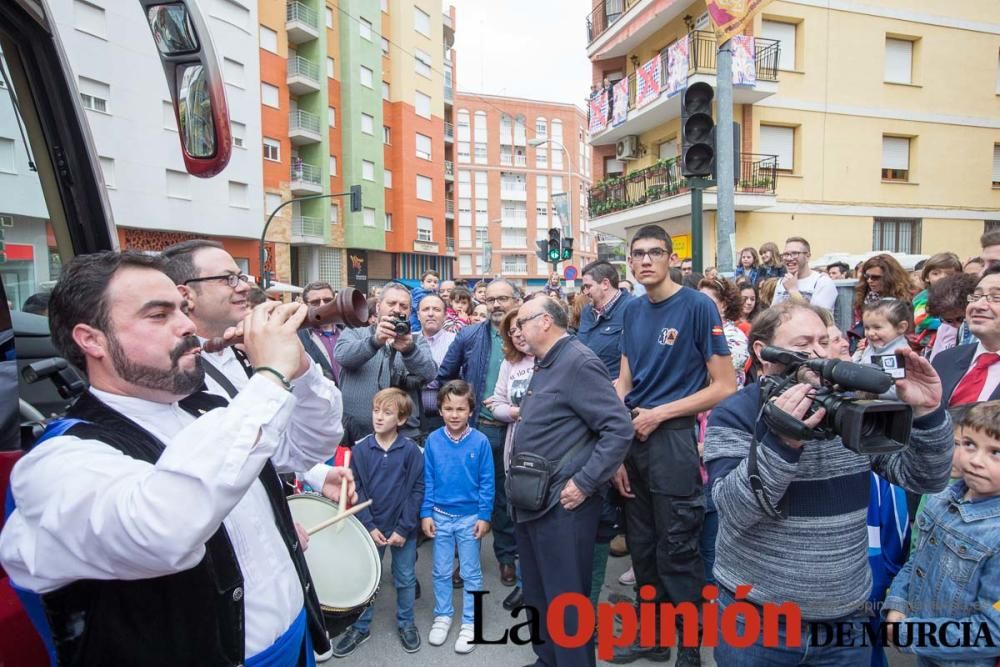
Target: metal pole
[697,240]
[725,218]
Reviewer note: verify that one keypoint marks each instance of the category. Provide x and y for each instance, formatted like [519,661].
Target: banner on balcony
[677,66]
[647,82]
[744,60]
[620,107]
[598,111]
[730,17]
[560,202]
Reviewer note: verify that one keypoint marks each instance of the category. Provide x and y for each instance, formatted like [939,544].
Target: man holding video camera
[383,355]
[792,508]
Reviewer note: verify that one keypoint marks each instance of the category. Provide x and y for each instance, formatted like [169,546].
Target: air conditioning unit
[627,148]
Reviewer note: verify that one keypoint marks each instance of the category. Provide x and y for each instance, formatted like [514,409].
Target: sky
[523,48]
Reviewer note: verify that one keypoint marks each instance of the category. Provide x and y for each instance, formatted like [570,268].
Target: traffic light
[355,198]
[543,251]
[555,247]
[567,247]
[697,131]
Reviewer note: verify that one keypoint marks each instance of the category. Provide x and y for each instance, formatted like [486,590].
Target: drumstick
[340,517]
[343,486]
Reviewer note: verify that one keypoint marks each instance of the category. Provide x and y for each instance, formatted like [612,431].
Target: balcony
[449,245]
[513,192]
[306,179]
[449,132]
[449,170]
[301,22]
[449,209]
[701,67]
[303,76]
[520,161]
[304,128]
[308,231]
[660,192]
[618,27]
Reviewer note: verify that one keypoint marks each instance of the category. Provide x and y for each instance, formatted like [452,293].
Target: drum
[343,561]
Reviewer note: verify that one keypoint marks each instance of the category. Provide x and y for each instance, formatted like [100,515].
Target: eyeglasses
[492,300]
[521,320]
[232,279]
[789,255]
[872,276]
[990,298]
[654,254]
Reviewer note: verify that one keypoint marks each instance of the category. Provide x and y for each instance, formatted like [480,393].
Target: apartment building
[513,155]
[865,126]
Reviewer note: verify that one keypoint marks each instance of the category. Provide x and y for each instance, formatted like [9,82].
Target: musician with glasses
[802,282]
[971,373]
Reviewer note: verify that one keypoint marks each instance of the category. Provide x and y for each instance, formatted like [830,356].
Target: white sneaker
[627,578]
[439,630]
[464,642]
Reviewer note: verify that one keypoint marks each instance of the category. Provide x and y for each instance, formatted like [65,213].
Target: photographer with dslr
[384,355]
[790,478]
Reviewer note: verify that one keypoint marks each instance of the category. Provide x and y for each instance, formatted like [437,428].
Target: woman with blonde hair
[765,293]
[771,265]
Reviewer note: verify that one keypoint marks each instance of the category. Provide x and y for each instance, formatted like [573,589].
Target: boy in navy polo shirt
[389,469]
[675,364]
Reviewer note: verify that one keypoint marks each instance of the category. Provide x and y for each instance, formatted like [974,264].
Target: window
[514,238]
[108,171]
[269,95]
[7,164]
[368,170]
[268,39]
[272,201]
[996,165]
[464,185]
[421,22]
[464,263]
[238,194]
[178,184]
[334,213]
[785,34]
[89,18]
[668,149]
[464,130]
[482,188]
[387,178]
[515,264]
[780,141]
[386,135]
[481,216]
[331,115]
[542,156]
[422,63]
[272,150]
[385,47]
[463,152]
[331,66]
[557,185]
[895,158]
[423,146]
[368,217]
[425,188]
[333,165]
[613,167]
[367,124]
[365,28]
[557,129]
[366,77]
[896,235]
[557,158]
[425,229]
[388,222]
[422,104]
[898,61]
[329,18]
[541,128]
[385,90]
[233,72]
[480,149]
[239,131]
[479,131]
[482,236]
[94,94]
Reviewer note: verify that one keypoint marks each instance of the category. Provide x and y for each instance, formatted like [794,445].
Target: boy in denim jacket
[954,575]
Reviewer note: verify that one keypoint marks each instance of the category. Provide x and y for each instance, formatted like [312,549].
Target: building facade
[865,127]
[505,184]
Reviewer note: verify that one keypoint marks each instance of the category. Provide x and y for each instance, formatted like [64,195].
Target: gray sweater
[365,369]
[818,556]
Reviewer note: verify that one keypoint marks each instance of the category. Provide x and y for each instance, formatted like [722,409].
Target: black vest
[194,617]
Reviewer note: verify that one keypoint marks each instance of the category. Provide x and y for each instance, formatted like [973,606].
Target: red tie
[972,384]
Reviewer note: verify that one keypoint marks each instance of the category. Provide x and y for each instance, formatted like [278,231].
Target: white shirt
[816,288]
[225,360]
[87,511]
[439,344]
[992,375]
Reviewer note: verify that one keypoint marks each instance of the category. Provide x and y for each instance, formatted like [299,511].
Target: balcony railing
[757,175]
[306,226]
[449,168]
[449,131]
[299,66]
[306,173]
[605,15]
[303,120]
[522,161]
[449,244]
[449,206]
[297,11]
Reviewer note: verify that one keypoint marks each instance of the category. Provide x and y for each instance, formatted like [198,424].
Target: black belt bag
[530,476]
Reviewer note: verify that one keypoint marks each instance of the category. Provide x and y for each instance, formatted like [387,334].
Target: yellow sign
[682,245]
[730,17]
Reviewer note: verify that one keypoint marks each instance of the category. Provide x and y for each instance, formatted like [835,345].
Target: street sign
[569,273]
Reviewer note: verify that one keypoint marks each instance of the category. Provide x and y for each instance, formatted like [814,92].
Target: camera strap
[779,512]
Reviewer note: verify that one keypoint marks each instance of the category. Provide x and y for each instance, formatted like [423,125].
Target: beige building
[871,126]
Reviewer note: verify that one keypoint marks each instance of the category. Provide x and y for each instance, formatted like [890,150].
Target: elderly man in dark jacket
[584,441]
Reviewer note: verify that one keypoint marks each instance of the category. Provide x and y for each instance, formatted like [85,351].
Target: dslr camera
[400,325]
[866,426]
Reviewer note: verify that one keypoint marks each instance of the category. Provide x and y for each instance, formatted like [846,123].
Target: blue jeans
[759,655]
[404,579]
[452,532]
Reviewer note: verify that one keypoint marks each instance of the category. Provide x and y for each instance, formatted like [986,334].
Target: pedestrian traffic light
[697,131]
[355,198]
[555,247]
[567,247]
[543,250]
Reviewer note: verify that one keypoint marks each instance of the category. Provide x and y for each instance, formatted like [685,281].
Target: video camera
[866,426]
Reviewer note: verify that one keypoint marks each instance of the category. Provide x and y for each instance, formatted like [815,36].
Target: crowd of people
[625,418]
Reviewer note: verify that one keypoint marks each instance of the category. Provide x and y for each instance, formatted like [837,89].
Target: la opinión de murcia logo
[740,625]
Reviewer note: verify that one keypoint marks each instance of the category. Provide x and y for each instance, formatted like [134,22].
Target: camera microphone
[856,376]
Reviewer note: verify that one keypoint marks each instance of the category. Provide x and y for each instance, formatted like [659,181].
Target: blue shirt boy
[458,476]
